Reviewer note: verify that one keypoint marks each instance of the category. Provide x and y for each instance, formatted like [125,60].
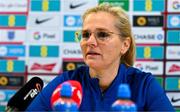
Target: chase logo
[149,5]
[45,5]
[150,52]
[18,20]
[147,21]
[173,21]
[12,66]
[72,21]
[156,36]
[12,50]
[44,51]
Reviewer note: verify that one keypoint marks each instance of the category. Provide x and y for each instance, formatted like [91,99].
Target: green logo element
[120,3]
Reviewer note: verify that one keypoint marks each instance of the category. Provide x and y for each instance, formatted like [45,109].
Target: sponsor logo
[17,51]
[175,100]
[14,81]
[45,20]
[74,6]
[173,52]
[176,5]
[174,68]
[155,68]
[37,35]
[173,96]
[14,6]
[3,50]
[12,66]
[46,67]
[159,36]
[141,21]
[11,35]
[37,21]
[72,21]
[72,51]
[3,80]
[150,52]
[175,21]
[148,6]
[149,36]
[43,51]
[154,21]
[71,65]
[147,67]
[33,92]
[156,36]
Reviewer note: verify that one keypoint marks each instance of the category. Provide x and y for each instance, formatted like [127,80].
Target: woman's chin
[93,64]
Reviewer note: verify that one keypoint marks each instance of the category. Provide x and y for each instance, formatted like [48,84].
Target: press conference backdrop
[37,39]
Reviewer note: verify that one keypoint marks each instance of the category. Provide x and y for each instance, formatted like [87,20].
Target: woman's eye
[102,34]
[86,35]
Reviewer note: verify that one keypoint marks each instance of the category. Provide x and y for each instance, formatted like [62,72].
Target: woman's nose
[92,40]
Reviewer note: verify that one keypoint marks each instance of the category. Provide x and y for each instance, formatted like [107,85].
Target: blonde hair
[122,24]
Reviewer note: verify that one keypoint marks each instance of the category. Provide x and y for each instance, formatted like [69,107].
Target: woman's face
[101,53]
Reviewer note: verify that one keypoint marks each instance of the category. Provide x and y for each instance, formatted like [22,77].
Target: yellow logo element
[77,36]
[148,5]
[147,52]
[45,5]
[141,21]
[3,81]
[70,66]
[10,66]
[11,20]
[44,51]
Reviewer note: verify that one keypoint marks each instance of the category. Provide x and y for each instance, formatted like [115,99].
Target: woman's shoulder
[138,75]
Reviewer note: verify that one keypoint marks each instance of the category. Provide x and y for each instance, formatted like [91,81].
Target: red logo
[174,68]
[47,67]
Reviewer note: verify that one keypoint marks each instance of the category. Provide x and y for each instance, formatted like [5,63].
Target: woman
[108,50]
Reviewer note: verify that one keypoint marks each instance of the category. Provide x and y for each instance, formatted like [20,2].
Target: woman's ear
[125,45]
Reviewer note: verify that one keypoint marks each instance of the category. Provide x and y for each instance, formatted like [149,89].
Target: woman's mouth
[91,53]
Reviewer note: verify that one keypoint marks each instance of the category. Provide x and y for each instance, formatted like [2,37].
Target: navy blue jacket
[145,91]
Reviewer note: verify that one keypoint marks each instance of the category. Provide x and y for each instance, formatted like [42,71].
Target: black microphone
[25,95]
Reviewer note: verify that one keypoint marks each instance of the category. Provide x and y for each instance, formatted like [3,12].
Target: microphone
[25,95]
[59,93]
